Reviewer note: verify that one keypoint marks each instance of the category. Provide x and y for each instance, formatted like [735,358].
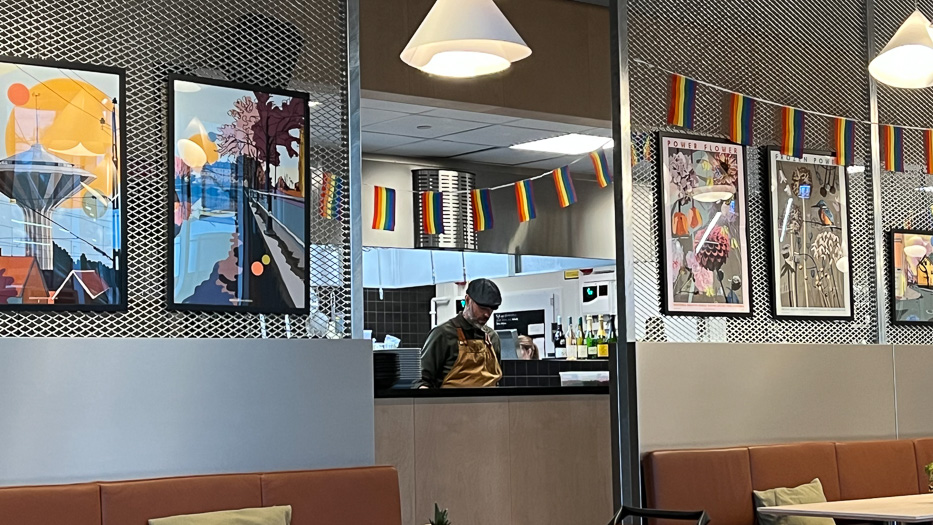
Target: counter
[504,456]
[501,391]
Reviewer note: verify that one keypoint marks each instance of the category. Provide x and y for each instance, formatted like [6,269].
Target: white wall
[398,177]
[75,410]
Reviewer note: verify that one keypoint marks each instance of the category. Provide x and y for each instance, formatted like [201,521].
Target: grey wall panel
[100,409]
[914,374]
[708,395]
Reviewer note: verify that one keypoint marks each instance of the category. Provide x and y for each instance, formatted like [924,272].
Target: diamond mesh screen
[294,44]
[902,204]
[811,55]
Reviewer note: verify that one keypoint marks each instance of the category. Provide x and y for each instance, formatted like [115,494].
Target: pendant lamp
[464,38]
[907,60]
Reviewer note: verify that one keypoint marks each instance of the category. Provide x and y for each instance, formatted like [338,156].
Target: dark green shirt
[443,346]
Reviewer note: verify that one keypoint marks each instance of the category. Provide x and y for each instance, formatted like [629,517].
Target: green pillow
[259,516]
[808,493]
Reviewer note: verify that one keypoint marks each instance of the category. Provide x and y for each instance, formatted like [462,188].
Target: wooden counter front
[542,460]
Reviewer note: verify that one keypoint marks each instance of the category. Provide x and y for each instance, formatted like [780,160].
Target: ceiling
[411,130]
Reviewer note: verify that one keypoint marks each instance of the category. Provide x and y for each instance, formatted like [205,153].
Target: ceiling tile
[487,118]
[506,156]
[408,126]
[502,136]
[549,126]
[585,165]
[393,106]
[373,142]
[433,148]
[369,116]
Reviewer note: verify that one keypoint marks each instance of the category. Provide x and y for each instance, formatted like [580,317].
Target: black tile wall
[403,313]
[545,373]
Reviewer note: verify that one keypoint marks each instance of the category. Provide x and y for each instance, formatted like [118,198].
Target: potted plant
[440,517]
[929,471]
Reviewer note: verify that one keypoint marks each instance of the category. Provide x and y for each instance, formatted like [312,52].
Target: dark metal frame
[773,287]
[623,395]
[305,150]
[889,248]
[121,305]
[663,222]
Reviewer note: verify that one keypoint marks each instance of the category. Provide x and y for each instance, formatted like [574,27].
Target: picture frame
[809,237]
[910,291]
[716,280]
[235,152]
[63,187]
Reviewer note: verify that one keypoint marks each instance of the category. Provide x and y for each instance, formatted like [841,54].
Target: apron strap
[461,336]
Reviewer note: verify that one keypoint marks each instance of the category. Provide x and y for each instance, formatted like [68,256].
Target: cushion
[715,480]
[807,493]
[876,469]
[136,502]
[792,464]
[72,504]
[257,516]
[337,497]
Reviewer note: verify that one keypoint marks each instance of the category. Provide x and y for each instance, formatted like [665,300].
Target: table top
[910,509]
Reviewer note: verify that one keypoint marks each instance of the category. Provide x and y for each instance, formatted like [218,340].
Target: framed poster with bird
[704,233]
[808,231]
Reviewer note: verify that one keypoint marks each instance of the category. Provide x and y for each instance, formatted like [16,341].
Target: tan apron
[476,364]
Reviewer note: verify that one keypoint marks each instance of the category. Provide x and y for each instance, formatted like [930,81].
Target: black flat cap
[484,293]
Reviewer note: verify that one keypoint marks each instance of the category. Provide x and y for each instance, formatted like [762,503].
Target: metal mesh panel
[294,44]
[811,55]
[903,205]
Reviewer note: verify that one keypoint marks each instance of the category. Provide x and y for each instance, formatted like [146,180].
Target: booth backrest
[720,481]
[317,497]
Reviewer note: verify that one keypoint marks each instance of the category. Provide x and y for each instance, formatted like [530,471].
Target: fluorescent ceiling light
[907,60]
[464,38]
[572,144]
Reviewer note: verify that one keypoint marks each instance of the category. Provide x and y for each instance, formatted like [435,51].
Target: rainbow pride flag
[792,124]
[482,210]
[384,209]
[741,116]
[601,166]
[892,147]
[432,212]
[525,199]
[331,193]
[682,106]
[928,149]
[566,194]
[844,141]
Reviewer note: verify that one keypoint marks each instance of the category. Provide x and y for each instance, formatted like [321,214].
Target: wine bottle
[591,350]
[613,338]
[571,341]
[560,343]
[602,341]
[581,339]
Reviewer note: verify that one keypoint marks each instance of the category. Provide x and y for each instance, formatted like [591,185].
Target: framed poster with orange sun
[61,187]
[238,197]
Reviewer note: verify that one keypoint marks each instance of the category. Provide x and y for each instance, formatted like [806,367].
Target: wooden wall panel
[561,459]
[568,72]
[462,459]
[395,445]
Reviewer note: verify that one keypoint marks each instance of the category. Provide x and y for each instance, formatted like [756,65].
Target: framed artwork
[911,274]
[808,231]
[238,197]
[61,187]
[704,231]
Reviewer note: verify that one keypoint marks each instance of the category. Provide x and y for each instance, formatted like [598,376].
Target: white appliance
[598,293]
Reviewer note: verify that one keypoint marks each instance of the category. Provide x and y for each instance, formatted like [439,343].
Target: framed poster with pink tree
[704,264]
[238,197]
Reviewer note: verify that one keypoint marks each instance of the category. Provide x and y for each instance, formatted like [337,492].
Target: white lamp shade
[907,60]
[464,38]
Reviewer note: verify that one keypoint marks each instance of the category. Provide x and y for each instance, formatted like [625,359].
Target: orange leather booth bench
[720,481]
[318,497]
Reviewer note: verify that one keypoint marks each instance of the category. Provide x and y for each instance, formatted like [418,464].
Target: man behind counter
[463,351]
